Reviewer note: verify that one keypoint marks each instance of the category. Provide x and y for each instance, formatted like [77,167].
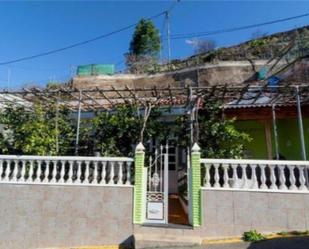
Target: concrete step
[165,235]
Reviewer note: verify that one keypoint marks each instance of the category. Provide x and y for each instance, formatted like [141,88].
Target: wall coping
[257,190]
[68,184]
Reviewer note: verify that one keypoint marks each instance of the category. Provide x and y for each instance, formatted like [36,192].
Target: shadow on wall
[278,243]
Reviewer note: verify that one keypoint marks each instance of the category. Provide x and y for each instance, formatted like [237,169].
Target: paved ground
[176,214]
[282,243]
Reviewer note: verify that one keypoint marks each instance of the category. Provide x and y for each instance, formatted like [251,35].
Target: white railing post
[23,170]
[70,172]
[255,184]
[120,173]
[225,176]
[103,173]
[31,170]
[302,178]
[282,178]
[112,173]
[292,177]
[263,176]
[6,171]
[38,171]
[217,184]
[244,176]
[95,172]
[87,170]
[207,176]
[235,176]
[273,178]
[128,180]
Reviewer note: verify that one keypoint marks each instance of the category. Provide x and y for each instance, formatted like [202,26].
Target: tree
[217,137]
[41,131]
[144,47]
[118,132]
[145,40]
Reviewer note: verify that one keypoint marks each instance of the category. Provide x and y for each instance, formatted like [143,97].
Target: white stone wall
[230,213]
[44,216]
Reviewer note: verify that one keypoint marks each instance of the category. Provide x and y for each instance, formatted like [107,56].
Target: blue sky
[32,27]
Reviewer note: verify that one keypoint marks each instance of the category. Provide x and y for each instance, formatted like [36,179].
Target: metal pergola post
[78,123]
[300,125]
[275,131]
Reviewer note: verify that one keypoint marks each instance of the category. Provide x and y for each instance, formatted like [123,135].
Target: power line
[77,44]
[220,31]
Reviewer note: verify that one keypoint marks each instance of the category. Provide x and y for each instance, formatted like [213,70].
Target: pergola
[190,98]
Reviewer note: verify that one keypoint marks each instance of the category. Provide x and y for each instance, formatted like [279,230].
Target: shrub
[253,236]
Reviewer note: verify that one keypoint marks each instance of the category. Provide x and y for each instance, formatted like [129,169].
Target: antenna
[9,78]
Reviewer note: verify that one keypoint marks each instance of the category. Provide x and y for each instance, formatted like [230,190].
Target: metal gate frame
[157,187]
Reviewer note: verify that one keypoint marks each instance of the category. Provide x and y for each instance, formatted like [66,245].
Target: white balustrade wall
[117,171]
[263,175]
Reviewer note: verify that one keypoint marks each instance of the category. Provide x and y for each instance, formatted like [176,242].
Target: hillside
[264,48]
[283,55]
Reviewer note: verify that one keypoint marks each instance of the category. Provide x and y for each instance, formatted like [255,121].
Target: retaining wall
[41,216]
[230,213]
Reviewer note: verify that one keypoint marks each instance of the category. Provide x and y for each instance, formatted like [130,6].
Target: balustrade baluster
[95,172]
[112,173]
[70,171]
[292,178]
[87,170]
[120,174]
[23,170]
[6,170]
[128,180]
[302,178]
[235,176]
[217,177]
[31,170]
[263,176]
[38,171]
[15,171]
[273,184]
[53,172]
[282,178]
[79,172]
[62,171]
[104,172]
[244,176]
[255,184]
[47,171]
[225,176]
[2,173]
[207,175]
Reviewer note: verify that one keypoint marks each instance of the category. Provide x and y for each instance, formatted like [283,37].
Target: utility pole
[167,16]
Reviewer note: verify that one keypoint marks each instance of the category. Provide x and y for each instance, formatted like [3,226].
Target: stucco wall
[230,213]
[288,138]
[36,216]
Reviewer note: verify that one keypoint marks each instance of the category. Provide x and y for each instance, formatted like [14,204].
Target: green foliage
[35,132]
[117,133]
[253,236]
[258,43]
[144,48]
[145,40]
[217,137]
